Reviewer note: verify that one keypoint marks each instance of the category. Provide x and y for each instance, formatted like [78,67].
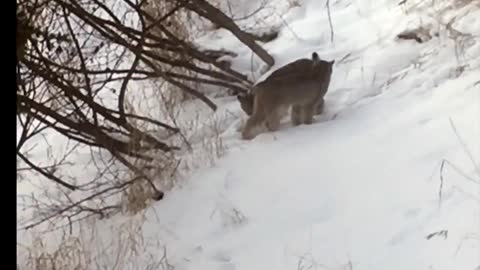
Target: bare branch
[47,175]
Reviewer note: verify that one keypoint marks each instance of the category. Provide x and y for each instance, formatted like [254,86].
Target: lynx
[298,66]
[300,85]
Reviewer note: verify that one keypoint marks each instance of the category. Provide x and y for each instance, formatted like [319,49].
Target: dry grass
[138,195]
[70,254]
[126,249]
[207,144]
[229,215]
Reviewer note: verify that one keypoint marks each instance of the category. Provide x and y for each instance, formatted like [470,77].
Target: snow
[358,189]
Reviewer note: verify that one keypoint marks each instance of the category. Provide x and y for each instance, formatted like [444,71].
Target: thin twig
[441,184]
[465,148]
[78,203]
[330,20]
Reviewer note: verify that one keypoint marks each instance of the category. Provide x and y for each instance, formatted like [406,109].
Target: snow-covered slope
[394,159]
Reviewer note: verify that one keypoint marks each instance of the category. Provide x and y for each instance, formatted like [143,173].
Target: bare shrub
[81,71]
[78,63]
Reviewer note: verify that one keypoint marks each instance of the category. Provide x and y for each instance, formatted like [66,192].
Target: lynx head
[316,60]
[322,66]
[246,102]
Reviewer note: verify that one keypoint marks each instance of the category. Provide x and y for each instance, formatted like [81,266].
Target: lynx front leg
[273,120]
[296,115]
[308,112]
[320,106]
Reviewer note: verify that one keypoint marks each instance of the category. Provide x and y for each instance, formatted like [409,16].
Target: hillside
[387,178]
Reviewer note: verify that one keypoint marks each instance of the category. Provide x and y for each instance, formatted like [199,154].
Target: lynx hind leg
[320,106]
[273,119]
[308,112]
[296,115]
[268,125]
